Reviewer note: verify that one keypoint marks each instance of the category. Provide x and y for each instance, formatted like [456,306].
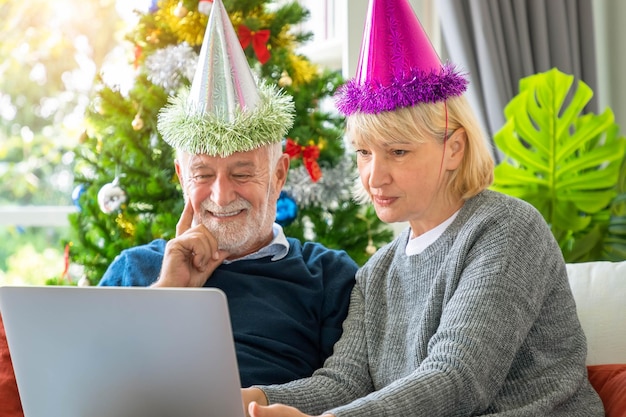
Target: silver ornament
[204,6]
[111,197]
[333,188]
[171,66]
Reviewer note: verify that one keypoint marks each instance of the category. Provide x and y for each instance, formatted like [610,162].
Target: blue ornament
[286,209]
[76,193]
[154,6]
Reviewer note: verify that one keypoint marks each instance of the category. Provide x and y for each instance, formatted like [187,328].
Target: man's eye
[242,177]
[200,179]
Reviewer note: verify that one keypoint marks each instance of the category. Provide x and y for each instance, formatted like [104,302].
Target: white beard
[237,236]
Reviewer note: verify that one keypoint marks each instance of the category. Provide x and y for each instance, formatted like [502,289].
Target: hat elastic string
[445,139]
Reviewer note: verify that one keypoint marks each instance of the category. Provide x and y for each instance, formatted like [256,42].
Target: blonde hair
[428,120]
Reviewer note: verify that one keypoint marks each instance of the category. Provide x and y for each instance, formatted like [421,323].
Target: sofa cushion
[599,289]
[610,383]
[10,405]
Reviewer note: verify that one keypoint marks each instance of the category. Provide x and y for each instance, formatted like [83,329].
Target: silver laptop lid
[122,352]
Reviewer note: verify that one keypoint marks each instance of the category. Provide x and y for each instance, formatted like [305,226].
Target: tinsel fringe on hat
[195,132]
[413,88]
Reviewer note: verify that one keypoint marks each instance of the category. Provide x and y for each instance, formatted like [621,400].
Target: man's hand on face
[191,257]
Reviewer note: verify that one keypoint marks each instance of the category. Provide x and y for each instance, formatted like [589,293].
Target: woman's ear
[455,149]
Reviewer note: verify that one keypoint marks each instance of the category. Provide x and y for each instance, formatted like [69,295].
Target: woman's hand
[276,410]
[255,403]
[249,395]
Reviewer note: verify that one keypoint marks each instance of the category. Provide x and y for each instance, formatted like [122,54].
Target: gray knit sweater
[481,323]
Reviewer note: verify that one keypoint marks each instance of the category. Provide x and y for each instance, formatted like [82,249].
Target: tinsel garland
[186,126]
[189,28]
[172,67]
[334,187]
[302,71]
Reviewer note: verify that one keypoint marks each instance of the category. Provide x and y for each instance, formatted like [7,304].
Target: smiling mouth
[229,214]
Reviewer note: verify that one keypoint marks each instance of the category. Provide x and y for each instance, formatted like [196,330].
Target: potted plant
[570,166]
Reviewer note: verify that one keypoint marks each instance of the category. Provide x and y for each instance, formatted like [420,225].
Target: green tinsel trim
[185,129]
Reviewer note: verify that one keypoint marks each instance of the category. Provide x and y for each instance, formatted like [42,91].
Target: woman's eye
[399,152]
[362,152]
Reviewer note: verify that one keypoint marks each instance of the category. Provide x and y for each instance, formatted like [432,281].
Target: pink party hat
[398,66]
[225,110]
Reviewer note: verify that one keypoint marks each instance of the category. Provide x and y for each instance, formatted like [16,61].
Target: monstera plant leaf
[564,163]
[614,248]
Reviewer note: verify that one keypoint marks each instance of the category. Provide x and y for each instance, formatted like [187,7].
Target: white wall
[610,27]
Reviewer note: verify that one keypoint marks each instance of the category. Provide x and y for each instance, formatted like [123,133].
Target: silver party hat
[225,110]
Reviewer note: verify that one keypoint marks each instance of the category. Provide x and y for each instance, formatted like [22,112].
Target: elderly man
[287,299]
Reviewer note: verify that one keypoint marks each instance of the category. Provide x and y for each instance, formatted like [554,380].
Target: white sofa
[599,289]
[600,292]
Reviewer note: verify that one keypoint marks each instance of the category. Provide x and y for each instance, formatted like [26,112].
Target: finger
[220,255]
[197,261]
[212,249]
[256,410]
[203,251]
[276,410]
[208,259]
[186,219]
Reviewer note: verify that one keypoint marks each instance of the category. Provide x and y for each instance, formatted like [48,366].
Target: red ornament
[309,155]
[259,41]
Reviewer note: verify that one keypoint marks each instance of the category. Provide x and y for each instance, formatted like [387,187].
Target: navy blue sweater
[286,315]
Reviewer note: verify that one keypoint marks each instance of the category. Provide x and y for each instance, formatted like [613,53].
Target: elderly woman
[468,312]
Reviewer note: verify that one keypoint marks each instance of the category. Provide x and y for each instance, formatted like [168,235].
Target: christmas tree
[126,187]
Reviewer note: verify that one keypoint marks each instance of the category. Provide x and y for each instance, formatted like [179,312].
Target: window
[49,60]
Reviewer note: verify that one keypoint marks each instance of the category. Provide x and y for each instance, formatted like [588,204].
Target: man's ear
[282,168]
[455,149]
[179,173]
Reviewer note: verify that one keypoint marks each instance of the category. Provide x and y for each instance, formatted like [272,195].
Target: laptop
[122,352]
